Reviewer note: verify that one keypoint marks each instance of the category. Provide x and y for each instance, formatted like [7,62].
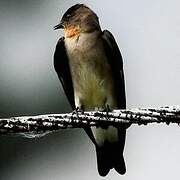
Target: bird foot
[77,111]
[107,110]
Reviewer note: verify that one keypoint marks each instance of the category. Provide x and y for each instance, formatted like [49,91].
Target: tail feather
[103,161]
[118,162]
[120,166]
[110,155]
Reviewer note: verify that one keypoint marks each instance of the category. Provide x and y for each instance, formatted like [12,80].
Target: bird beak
[59,26]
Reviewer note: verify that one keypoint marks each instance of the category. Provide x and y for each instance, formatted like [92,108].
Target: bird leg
[78,110]
[107,110]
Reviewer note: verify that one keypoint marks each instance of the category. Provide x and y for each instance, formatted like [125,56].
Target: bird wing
[61,65]
[110,154]
[116,63]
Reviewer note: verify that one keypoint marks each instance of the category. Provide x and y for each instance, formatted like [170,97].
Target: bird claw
[107,110]
[77,111]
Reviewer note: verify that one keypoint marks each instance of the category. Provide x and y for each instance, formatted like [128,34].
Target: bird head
[78,18]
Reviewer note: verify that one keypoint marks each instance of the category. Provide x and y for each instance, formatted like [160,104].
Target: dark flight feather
[115,60]
[110,155]
[62,68]
[61,65]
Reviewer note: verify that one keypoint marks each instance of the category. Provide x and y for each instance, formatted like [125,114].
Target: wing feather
[116,63]
[61,65]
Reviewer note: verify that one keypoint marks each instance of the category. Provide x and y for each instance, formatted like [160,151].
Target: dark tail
[110,155]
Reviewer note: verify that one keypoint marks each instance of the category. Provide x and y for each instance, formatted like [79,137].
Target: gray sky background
[148,34]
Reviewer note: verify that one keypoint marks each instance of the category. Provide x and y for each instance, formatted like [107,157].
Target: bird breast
[91,73]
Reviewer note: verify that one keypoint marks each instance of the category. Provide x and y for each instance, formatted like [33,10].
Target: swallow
[89,65]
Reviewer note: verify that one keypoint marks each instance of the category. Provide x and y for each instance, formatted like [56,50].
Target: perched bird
[89,66]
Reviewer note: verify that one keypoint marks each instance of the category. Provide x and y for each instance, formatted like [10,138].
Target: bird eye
[68,15]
